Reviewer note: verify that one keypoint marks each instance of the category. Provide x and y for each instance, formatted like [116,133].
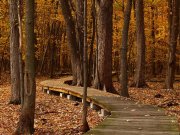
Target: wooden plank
[127,117]
[97,131]
[162,126]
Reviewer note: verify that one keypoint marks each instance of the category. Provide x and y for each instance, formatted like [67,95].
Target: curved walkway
[126,117]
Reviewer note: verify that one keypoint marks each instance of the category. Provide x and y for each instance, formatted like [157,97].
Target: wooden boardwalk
[126,117]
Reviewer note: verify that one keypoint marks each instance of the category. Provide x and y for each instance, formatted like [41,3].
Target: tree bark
[26,121]
[153,66]
[139,78]
[80,31]
[21,69]
[90,62]
[52,61]
[173,36]
[124,67]
[84,117]
[14,53]
[73,46]
[104,66]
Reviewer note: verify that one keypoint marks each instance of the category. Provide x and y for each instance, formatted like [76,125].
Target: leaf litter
[53,115]
[59,116]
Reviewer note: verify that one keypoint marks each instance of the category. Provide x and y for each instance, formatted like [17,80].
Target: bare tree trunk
[80,31]
[153,68]
[71,35]
[43,57]
[90,62]
[124,67]
[14,53]
[2,60]
[52,64]
[26,121]
[20,11]
[84,117]
[104,21]
[139,78]
[173,36]
[96,63]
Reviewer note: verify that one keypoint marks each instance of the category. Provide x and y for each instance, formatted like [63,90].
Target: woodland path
[126,117]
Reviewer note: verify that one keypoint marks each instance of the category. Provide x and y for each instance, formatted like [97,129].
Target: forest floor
[59,116]
[53,116]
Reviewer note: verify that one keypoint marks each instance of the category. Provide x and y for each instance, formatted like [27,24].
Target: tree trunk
[173,36]
[84,117]
[52,61]
[80,31]
[71,35]
[139,78]
[21,69]
[153,68]
[90,62]
[43,56]
[26,121]
[124,67]
[104,66]
[2,59]
[96,72]
[14,53]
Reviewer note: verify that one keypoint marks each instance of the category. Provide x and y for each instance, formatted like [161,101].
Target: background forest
[131,45]
[51,37]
